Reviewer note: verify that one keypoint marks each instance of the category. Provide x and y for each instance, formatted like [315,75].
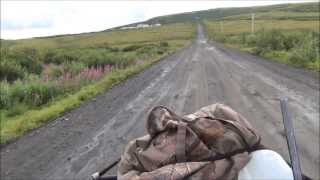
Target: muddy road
[90,137]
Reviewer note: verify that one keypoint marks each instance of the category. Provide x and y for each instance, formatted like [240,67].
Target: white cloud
[23,19]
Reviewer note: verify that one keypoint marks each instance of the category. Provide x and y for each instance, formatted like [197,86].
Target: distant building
[129,27]
[143,25]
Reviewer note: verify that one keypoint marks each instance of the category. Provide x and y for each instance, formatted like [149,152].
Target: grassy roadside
[292,42]
[19,125]
[278,56]
[43,77]
[34,72]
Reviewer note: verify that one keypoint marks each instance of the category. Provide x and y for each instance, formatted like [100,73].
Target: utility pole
[252,23]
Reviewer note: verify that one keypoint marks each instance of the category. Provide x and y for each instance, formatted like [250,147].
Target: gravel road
[90,137]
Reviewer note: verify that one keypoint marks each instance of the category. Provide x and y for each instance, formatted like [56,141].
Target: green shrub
[243,38]
[307,51]
[10,70]
[52,71]
[127,60]
[96,58]
[33,91]
[5,100]
[49,57]
[164,44]
[220,37]
[92,58]
[17,92]
[17,109]
[106,46]
[160,51]
[299,47]
[234,40]
[74,67]
[131,48]
[61,56]
[39,92]
[112,49]
[258,51]
[148,49]
[273,40]
[28,58]
[292,39]
[251,40]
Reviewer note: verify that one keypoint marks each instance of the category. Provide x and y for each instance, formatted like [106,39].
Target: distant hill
[303,11]
[297,11]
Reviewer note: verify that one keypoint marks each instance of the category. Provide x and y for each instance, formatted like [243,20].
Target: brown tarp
[212,143]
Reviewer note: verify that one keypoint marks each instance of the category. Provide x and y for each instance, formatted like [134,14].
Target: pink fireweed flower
[85,76]
[45,72]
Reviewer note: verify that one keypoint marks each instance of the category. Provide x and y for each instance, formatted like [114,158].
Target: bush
[38,92]
[11,70]
[32,91]
[106,46]
[258,51]
[220,37]
[270,40]
[299,47]
[131,48]
[234,40]
[307,51]
[251,40]
[61,56]
[164,44]
[17,109]
[52,71]
[49,57]
[112,49]
[125,60]
[243,38]
[95,58]
[5,100]
[292,39]
[74,67]
[28,58]
[148,49]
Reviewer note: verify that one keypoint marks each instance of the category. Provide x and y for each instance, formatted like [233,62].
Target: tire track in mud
[119,127]
[201,74]
[260,92]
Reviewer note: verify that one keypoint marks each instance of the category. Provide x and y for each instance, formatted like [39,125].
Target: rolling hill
[302,11]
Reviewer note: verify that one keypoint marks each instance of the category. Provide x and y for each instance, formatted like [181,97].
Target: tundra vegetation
[286,37]
[287,33]
[43,77]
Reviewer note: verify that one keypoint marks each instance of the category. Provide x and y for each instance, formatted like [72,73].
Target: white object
[95,175]
[266,164]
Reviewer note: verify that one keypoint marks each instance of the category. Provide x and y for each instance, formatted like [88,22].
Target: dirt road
[90,137]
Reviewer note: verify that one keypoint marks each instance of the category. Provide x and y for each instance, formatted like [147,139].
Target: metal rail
[97,175]
[293,153]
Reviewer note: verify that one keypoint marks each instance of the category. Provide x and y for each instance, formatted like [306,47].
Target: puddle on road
[211,48]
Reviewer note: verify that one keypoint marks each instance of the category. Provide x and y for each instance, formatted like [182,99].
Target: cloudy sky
[24,19]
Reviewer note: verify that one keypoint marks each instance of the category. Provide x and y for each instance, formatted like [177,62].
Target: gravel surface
[90,137]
